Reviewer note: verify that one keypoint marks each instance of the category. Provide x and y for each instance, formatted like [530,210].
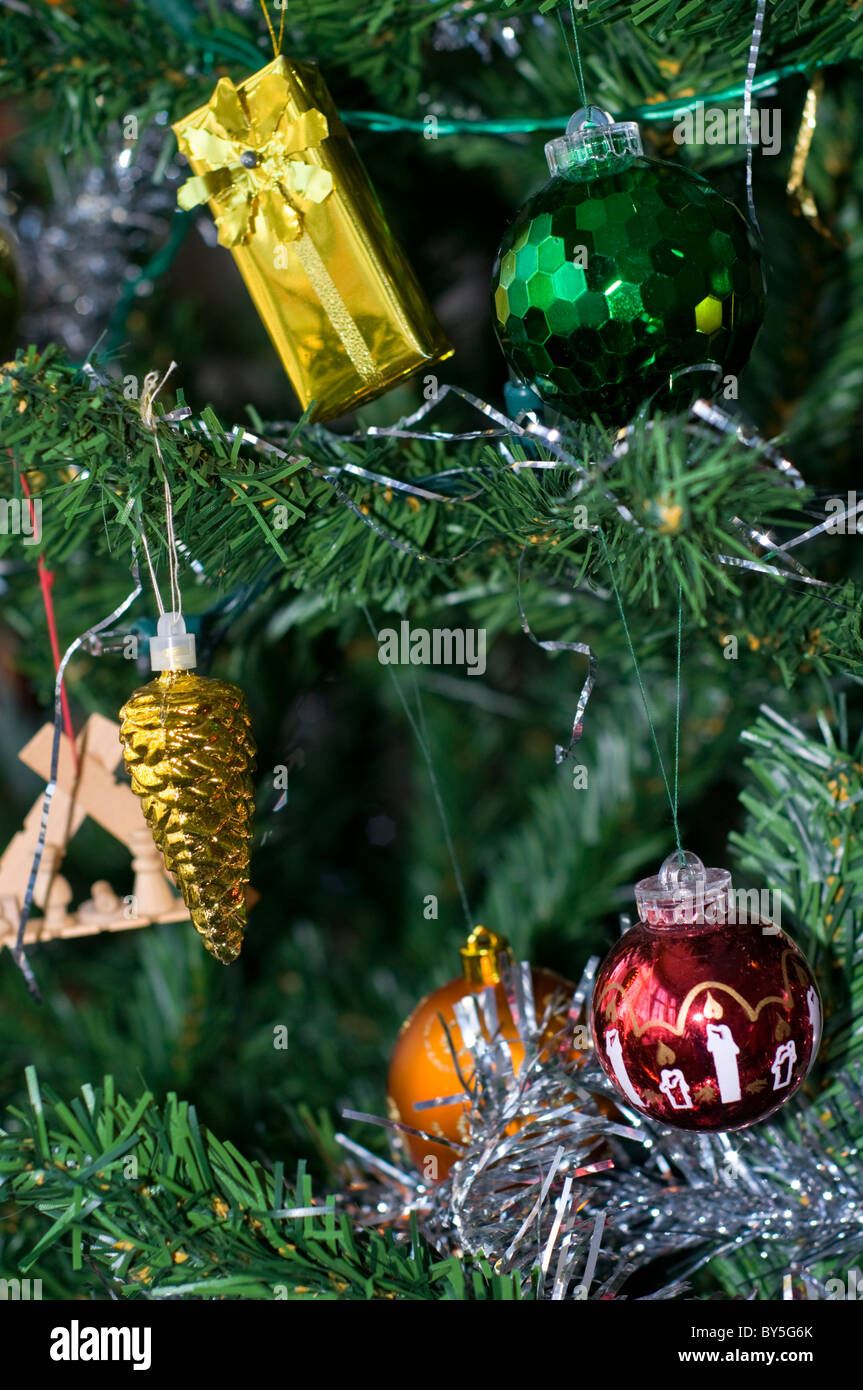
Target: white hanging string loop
[150,390]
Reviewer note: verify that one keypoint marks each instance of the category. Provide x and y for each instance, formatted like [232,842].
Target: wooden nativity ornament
[88,790]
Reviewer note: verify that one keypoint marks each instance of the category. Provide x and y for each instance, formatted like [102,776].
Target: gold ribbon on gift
[253,180]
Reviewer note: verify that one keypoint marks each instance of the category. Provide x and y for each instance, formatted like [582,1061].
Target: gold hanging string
[277,43]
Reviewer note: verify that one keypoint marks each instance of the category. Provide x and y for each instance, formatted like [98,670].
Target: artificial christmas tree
[679,579]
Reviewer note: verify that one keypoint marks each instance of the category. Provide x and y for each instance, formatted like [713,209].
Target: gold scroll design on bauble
[677,1028]
[256,183]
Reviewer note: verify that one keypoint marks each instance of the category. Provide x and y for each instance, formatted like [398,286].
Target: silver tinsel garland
[82,254]
[578,1196]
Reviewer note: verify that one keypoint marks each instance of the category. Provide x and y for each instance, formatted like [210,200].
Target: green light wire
[655,111]
[222,44]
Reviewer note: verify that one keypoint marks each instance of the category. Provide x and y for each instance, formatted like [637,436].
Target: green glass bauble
[621,273]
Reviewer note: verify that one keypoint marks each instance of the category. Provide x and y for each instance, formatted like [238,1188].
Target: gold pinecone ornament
[189,751]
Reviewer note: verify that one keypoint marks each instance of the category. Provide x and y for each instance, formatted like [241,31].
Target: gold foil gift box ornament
[294,205]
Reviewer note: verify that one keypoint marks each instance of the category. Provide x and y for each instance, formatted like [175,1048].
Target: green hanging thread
[672,796]
[573,49]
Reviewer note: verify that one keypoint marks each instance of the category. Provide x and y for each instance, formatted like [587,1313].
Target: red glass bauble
[705,1016]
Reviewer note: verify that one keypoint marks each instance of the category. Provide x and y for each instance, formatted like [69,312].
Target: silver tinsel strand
[589,1199]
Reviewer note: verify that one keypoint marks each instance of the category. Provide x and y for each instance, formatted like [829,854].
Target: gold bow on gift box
[295,207]
[251,169]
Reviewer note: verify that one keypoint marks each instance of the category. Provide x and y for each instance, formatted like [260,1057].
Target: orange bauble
[422,1066]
